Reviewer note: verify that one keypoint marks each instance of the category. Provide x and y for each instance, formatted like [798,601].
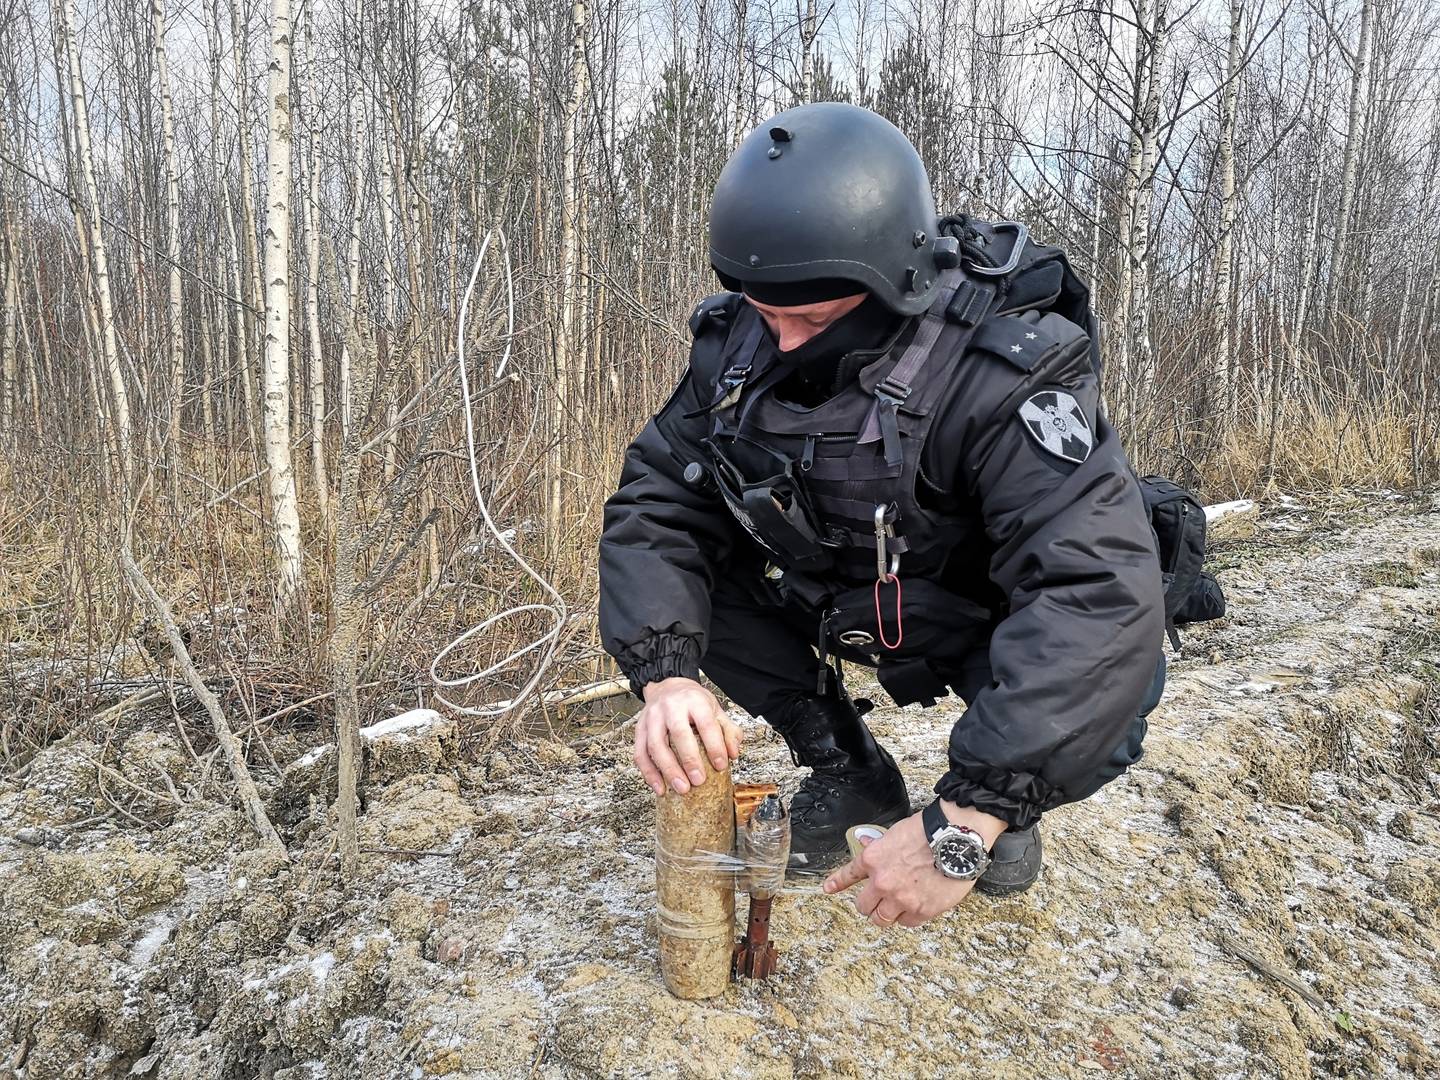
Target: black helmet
[828,191]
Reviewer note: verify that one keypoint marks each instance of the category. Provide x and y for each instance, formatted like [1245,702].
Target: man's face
[793,326]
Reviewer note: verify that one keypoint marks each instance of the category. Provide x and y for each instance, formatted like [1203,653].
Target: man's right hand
[666,748]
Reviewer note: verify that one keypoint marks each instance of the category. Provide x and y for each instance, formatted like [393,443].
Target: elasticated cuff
[663,656]
[1018,799]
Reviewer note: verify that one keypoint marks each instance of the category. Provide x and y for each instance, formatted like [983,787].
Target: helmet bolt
[754,260]
[919,238]
[774,153]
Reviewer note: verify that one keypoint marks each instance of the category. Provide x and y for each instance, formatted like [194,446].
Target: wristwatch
[959,852]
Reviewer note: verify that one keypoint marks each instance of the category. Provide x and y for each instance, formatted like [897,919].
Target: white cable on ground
[556,610]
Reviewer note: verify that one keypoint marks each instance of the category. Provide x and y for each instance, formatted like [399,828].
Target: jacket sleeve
[1076,652]
[664,539]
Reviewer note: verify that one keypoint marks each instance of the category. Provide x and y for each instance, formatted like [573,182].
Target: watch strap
[934,819]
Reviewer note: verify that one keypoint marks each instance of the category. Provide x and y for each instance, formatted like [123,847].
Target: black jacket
[1066,549]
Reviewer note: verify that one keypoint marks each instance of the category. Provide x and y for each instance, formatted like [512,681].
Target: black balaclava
[825,364]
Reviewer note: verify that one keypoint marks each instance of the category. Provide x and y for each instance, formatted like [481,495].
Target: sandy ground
[1259,898]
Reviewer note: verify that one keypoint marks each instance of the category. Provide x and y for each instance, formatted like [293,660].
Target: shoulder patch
[1057,423]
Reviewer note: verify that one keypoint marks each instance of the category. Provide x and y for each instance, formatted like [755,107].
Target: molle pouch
[779,514]
[775,512]
[926,629]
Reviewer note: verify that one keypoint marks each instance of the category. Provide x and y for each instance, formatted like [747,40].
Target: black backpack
[1178,520]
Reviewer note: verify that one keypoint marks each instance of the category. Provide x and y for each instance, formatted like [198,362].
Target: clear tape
[764,845]
[734,865]
[674,924]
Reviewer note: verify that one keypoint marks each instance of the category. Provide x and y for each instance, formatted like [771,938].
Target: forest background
[236,240]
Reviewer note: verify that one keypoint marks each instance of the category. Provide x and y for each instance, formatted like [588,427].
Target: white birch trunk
[352,254]
[312,284]
[10,313]
[238,34]
[172,237]
[569,255]
[1222,313]
[807,55]
[742,116]
[1309,249]
[1144,359]
[11,320]
[285,513]
[1129,215]
[1354,136]
[109,346]
[387,289]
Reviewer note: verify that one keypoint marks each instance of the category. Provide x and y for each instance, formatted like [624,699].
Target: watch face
[959,856]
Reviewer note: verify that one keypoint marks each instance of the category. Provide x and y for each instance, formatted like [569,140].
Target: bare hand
[904,886]
[666,747]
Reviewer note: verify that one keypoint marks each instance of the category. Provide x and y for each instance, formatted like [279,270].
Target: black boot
[1014,862]
[853,780]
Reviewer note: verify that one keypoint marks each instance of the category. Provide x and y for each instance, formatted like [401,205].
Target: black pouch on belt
[935,630]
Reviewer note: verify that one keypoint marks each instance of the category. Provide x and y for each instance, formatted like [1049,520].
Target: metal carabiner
[885,568]
[1022,234]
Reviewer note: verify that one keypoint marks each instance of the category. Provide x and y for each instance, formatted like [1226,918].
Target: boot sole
[1004,888]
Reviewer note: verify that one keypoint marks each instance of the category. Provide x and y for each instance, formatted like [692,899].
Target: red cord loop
[880,619]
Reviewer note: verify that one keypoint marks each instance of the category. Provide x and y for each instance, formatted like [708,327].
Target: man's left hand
[904,886]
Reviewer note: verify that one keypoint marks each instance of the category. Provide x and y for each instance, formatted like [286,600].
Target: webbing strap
[881,422]
[732,381]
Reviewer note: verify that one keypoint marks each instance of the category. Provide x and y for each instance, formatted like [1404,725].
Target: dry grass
[76,632]
[1417,749]
[1320,446]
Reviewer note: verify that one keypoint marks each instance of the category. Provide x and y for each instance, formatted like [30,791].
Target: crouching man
[887,450]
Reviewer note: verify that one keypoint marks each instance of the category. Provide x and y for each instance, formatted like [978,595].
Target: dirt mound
[1258,898]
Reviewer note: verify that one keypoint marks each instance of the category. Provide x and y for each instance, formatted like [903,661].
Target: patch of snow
[320,966]
[361,940]
[407,721]
[310,757]
[149,942]
[1226,509]
[255,982]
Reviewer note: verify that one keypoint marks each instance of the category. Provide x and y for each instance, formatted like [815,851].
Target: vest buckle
[892,391]
[735,375]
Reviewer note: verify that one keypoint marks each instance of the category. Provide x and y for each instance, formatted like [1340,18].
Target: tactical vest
[831,491]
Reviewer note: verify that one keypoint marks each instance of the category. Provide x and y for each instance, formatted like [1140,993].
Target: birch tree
[10,312]
[9,325]
[569,255]
[1224,253]
[99,261]
[808,30]
[310,112]
[284,504]
[172,238]
[1359,60]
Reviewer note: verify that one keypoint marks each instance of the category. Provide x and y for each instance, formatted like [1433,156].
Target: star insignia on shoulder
[1017,348]
[1030,337]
